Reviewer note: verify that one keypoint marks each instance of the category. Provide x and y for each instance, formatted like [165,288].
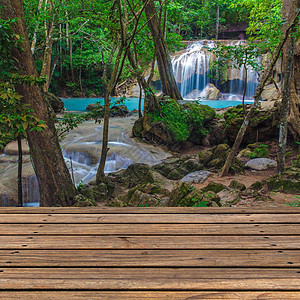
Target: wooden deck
[149,253]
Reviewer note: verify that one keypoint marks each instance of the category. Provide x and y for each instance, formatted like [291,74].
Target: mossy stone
[237,185]
[214,187]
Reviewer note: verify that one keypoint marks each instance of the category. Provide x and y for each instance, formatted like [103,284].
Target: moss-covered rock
[237,185]
[82,201]
[180,191]
[215,158]
[175,168]
[175,124]
[55,102]
[289,182]
[263,124]
[214,187]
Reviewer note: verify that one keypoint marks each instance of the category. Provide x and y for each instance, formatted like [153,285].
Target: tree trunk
[20,163]
[55,184]
[288,11]
[217,22]
[46,68]
[169,86]
[263,80]
[285,107]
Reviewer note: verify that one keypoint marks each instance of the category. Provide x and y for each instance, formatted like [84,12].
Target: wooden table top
[150,253]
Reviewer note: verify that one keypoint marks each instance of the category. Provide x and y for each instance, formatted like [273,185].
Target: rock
[134,91]
[215,158]
[56,103]
[82,201]
[119,111]
[176,168]
[190,165]
[94,106]
[270,93]
[237,185]
[216,135]
[137,129]
[135,174]
[98,193]
[180,191]
[210,92]
[196,177]
[245,153]
[261,164]
[139,198]
[214,187]
[135,111]
[263,125]
[205,156]
[229,197]
[12,148]
[289,182]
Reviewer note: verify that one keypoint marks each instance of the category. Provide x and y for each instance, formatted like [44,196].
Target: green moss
[181,120]
[214,187]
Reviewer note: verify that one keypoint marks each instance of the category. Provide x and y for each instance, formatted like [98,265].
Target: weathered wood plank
[150,278]
[150,229]
[178,295]
[150,258]
[148,210]
[150,242]
[149,218]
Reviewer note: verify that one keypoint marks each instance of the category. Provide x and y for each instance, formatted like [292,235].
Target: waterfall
[31,193]
[192,73]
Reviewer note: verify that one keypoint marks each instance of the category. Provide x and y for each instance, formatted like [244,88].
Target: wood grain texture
[150,278]
[150,258]
[149,218]
[148,210]
[150,295]
[150,242]
[150,229]
[141,253]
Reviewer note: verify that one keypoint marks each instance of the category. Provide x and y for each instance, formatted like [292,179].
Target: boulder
[210,92]
[175,168]
[288,182]
[214,187]
[229,197]
[94,106]
[12,148]
[196,177]
[263,124]
[270,93]
[135,111]
[237,185]
[119,111]
[82,201]
[215,158]
[55,102]
[261,164]
[180,191]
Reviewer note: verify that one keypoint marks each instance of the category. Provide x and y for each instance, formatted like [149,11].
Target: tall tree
[56,187]
[169,86]
[288,11]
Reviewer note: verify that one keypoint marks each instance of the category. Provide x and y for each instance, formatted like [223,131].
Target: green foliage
[294,203]
[201,204]
[261,151]
[181,120]
[265,23]
[296,162]
[15,117]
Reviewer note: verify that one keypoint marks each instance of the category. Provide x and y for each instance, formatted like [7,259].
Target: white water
[192,70]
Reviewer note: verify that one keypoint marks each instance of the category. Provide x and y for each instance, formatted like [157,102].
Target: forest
[176,58]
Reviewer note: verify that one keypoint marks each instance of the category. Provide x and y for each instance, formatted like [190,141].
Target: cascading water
[192,70]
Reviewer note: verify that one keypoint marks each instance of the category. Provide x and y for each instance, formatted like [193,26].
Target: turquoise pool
[80,104]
